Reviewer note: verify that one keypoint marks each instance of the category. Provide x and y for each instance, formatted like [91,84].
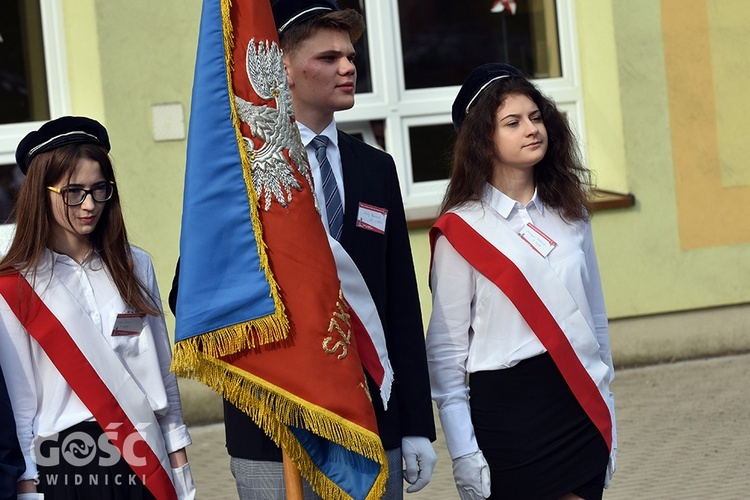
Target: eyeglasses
[74,196]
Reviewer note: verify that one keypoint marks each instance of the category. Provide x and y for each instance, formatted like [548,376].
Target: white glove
[183,482]
[611,467]
[472,475]
[31,496]
[420,461]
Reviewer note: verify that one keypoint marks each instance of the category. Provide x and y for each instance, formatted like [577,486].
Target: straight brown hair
[33,215]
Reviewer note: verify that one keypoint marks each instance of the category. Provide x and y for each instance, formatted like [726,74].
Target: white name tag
[128,324]
[540,242]
[372,218]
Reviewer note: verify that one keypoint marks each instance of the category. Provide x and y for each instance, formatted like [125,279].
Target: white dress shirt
[334,158]
[475,327]
[43,402]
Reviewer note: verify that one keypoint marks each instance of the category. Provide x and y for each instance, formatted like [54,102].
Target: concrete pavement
[684,432]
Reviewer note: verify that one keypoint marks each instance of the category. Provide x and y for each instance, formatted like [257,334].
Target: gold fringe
[225,341]
[273,409]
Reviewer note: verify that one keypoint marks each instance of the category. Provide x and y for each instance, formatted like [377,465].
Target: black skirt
[538,441]
[82,464]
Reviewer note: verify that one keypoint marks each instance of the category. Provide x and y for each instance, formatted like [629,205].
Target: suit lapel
[353,187]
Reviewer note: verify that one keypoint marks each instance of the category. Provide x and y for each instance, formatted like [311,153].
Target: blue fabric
[352,472]
[221,283]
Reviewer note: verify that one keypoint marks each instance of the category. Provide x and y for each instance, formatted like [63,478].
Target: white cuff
[458,429]
[31,472]
[177,438]
[183,483]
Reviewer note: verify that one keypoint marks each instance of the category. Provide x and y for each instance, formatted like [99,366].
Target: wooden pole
[292,479]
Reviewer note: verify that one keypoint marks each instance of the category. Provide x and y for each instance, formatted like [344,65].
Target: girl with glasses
[83,342]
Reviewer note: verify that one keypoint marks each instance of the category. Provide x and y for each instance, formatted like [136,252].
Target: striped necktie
[334,208]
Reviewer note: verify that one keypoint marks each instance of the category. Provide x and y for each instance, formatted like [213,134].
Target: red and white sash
[540,297]
[92,369]
[368,329]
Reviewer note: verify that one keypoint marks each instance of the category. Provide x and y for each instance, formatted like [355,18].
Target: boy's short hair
[348,20]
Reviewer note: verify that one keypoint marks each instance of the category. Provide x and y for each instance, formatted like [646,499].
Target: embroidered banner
[261,318]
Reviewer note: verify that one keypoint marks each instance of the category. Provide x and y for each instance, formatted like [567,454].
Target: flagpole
[292,479]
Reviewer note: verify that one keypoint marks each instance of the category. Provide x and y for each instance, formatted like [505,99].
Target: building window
[23,78]
[416,56]
[33,75]
[364,81]
[431,147]
[10,182]
[443,41]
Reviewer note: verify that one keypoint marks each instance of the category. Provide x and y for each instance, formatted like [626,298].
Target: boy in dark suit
[317,40]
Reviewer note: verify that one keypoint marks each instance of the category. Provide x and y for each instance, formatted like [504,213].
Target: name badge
[540,242]
[128,324]
[371,218]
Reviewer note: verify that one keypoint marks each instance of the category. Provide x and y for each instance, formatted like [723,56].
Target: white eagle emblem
[273,176]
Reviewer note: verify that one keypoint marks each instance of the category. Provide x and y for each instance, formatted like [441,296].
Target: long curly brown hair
[33,215]
[562,181]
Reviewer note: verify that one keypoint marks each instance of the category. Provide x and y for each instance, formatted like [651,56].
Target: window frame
[58,88]
[399,107]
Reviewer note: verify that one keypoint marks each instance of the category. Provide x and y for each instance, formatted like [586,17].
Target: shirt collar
[91,260]
[536,202]
[307,134]
[504,205]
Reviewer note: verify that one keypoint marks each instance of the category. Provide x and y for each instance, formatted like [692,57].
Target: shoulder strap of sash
[62,350]
[499,269]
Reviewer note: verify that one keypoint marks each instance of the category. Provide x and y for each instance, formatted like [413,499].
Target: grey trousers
[258,480]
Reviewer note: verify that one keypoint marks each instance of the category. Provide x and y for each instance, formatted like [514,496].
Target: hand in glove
[472,475]
[420,459]
[611,467]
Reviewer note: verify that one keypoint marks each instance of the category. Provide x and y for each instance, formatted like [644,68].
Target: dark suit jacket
[386,264]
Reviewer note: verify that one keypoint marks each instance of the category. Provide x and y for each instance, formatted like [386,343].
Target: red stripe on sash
[62,350]
[368,354]
[499,269]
